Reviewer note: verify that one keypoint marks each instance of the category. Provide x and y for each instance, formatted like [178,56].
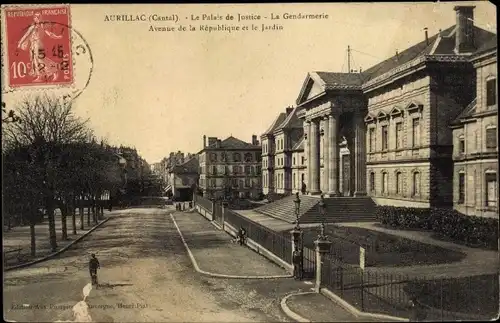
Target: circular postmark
[44,53]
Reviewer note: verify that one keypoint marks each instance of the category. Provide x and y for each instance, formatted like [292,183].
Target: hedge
[474,231]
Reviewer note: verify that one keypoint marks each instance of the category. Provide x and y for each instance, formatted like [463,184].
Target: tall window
[491,137]
[415,191]
[237,157]
[491,189]
[247,182]
[491,92]
[247,170]
[415,132]
[302,161]
[461,187]
[372,182]
[294,160]
[385,182]
[294,180]
[371,139]
[399,135]
[461,144]
[399,183]
[385,138]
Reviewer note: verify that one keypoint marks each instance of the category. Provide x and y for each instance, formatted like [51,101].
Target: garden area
[446,224]
[381,249]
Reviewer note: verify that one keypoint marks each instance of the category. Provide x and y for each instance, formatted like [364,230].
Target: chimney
[204,141]
[426,35]
[212,141]
[289,110]
[397,55]
[464,35]
[254,139]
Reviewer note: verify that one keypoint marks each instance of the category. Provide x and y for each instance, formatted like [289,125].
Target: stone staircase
[339,209]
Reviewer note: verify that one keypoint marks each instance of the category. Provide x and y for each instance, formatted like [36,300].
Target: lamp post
[297,211]
[322,211]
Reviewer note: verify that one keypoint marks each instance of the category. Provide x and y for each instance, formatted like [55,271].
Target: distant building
[230,166]
[183,179]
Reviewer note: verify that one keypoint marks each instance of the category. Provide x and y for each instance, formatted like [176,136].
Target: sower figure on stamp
[40,63]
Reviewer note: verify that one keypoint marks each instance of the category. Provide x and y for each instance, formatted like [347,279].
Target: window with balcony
[385,137]
[415,127]
[491,92]
[461,187]
[491,137]
[371,139]
[415,191]
[461,144]
[491,189]
[399,135]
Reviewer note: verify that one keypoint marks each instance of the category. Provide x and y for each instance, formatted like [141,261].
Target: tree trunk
[88,214]
[82,217]
[52,226]
[64,227]
[73,214]
[33,239]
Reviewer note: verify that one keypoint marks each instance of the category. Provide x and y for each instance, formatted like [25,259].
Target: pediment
[312,87]
[396,112]
[370,118]
[414,106]
[382,115]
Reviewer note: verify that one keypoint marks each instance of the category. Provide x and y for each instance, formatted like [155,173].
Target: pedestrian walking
[297,264]
[417,311]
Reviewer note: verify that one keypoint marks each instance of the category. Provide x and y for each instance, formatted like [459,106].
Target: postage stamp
[38,46]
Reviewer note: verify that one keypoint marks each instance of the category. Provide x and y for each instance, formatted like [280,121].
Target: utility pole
[348,59]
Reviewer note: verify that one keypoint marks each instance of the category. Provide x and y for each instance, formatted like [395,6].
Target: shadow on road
[108,285]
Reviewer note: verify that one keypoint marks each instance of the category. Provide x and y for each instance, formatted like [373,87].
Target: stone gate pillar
[322,248]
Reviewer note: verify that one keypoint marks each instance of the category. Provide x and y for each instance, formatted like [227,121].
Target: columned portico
[313,145]
[333,156]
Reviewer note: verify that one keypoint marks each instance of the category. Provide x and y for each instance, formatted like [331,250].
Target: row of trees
[51,160]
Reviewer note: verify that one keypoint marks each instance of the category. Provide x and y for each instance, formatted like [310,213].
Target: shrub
[475,231]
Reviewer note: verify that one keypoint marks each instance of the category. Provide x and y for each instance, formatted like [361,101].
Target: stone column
[360,153]
[322,248]
[325,182]
[307,152]
[333,159]
[314,153]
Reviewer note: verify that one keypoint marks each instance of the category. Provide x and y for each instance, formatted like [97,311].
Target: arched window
[399,183]
[248,157]
[385,182]
[416,184]
[372,182]
[237,157]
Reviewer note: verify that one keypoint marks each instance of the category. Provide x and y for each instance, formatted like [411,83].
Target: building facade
[475,147]
[385,132]
[183,179]
[230,168]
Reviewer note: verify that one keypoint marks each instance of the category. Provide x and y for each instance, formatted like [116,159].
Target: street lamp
[322,211]
[297,211]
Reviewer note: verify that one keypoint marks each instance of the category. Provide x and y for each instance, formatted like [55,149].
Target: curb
[335,298]
[203,272]
[59,251]
[291,314]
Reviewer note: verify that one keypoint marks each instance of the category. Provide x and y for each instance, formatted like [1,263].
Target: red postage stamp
[38,46]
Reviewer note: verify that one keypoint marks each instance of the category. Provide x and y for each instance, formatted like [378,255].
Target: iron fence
[277,243]
[309,262]
[420,298]
[217,213]
[204,202]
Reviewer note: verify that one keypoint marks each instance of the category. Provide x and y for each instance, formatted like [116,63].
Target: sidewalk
[19,237]
[215,252]
[318,308]
[477,261]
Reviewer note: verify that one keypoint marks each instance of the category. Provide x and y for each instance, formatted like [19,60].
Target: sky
[162,91]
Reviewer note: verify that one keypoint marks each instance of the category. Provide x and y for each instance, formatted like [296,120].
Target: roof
[291,121]
[466,113]
[439,44]
[234,143]
[190,166]
[487,46]
[334,80]
[299,145]
[278,121]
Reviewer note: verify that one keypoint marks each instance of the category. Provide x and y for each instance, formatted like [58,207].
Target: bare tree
[46,123]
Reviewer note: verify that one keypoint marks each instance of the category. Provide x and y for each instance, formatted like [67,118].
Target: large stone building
[230,166]
[183,179]
[386,132]
[475,137]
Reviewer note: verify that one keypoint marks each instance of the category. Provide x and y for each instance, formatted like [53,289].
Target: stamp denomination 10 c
[38,46]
